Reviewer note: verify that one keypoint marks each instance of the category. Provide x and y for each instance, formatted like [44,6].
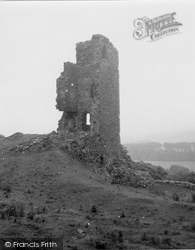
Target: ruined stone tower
[88,93]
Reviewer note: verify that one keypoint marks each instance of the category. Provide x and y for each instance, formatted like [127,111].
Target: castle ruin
[88,93]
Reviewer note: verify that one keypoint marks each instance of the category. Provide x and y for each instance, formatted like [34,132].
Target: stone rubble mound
[86,148]
[130,177]
[123,171]
[41,143]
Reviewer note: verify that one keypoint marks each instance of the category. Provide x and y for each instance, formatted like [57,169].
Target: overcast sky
[157,82]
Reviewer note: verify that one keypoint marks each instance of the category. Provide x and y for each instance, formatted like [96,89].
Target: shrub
[115,236]
[191,177]
[41,209]
[176,196]
[13,208]
[5,186]
[122,214]
[144,236]
[189,226]
[93,209]
[16,209]
[120,237]
[3,204]
[100,245]
[167,241]
[30,215]
[156,172]
[155,240]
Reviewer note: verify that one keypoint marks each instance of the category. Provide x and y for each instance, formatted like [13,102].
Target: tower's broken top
[97,38]
[88,92]
[93,51]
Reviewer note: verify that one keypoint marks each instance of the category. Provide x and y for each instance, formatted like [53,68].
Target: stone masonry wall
[91,86]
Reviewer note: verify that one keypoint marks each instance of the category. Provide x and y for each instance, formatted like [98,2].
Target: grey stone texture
[91,88]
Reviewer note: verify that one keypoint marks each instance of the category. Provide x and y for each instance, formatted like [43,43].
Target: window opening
[88,122]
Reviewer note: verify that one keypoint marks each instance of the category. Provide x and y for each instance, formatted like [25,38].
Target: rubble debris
[86,148]
[93,209]
[131,177]
[38,144]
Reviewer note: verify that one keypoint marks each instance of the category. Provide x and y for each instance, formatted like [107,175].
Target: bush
[16,209]
[144,236]
[3,204]
[30,215]
[41,209]
[176,196]
[155,240]
[178,173]
[191,177]
[12,209]
[156,172]
[122,214]
[5,186]
[100,244]
[167,241]
[93,209]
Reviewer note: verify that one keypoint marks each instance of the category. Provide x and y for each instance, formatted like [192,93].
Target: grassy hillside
[47,193]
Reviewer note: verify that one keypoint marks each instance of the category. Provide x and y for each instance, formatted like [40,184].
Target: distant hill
[172,137]
[154,151]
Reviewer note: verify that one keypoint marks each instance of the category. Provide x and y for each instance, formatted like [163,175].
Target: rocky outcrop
[130,177]
[41,143]
[87,149]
